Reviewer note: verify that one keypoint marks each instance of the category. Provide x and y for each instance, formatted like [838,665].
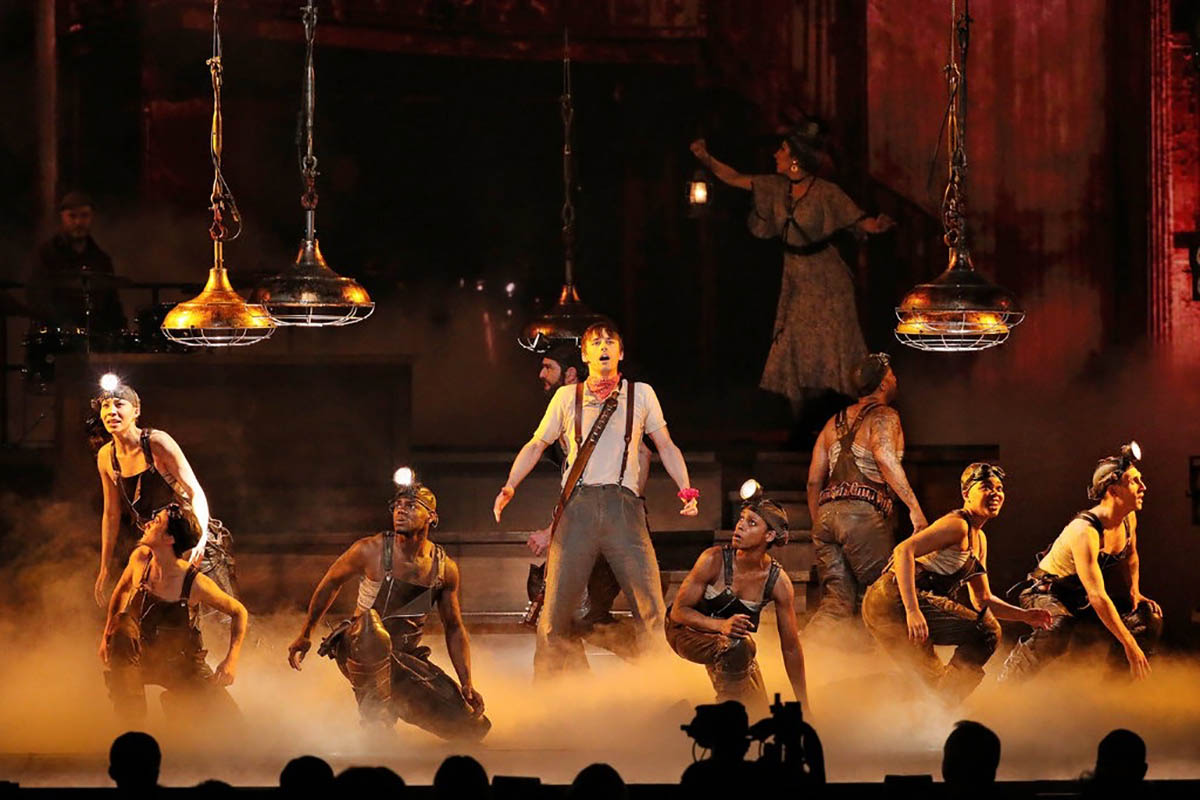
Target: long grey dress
[817,340]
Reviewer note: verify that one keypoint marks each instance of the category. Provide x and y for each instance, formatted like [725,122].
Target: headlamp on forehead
[109,382]
[1109,470]
[772,513]
[404,476]
[408,487]
[112,387]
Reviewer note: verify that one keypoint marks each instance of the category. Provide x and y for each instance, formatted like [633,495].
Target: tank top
[944,571]
[144,492]
[724,604]
[403,606]
[1058,561]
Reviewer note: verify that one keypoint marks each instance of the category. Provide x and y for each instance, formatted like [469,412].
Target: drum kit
[45,342]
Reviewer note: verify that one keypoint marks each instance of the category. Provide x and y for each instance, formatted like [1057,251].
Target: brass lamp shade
[218,316]
[567,320]
[960,310]
[310,294]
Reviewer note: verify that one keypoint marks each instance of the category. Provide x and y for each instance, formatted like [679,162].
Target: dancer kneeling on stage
[721,599]
[152,634]
[1078,578]
[916,603]
[402,576]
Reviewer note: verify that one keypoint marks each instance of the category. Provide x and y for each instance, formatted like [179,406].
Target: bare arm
[982,597]
[887,442]
[1135,569]
[703,573]
[724,173]
[348,564]
[818,469]
[525,461]
[789,638]
[173,465]
[458,644]
[945,532]
[139,559]
[672,459]
[1085,549]
[206,591]
[110,522]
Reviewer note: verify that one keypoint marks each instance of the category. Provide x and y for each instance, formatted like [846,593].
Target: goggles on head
[979,472]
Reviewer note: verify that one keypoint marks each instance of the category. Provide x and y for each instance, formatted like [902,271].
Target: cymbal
[90,277]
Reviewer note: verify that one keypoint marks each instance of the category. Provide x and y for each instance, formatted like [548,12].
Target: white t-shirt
[558,424]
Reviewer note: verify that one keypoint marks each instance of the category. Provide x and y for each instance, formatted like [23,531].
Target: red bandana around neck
[601,388]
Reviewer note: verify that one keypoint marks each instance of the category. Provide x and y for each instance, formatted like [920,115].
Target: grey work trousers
[974,635]
[608,521]
[1070,621]
[853,542]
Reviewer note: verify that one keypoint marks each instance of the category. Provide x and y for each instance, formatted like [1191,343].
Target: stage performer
[817,339]
[402,576]
[562,365]
[152,634]
[721,599]
[917,602]
[600,512]
[854,472]
[143,469]
[1090,576]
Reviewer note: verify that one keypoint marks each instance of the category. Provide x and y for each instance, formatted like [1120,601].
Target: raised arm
[110,522]
[458,644]
[789,638]
[948,531]
[1085,549]
[672,460]
[173,465]
[724,173]
[887,443]
[206,592]
[348,564]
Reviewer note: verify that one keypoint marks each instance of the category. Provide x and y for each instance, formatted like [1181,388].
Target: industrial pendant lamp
[959,310]
[569,317]
[218,316]
[309,293]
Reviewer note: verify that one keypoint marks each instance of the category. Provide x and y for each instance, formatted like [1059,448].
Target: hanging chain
[308,161]
[954,200]
[567,110]
[222,203]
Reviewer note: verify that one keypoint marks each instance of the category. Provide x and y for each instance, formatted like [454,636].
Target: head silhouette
[368,782]
[306,774]
[134,760]
[598,782]
[1121,757]
[460,777]
[971,755]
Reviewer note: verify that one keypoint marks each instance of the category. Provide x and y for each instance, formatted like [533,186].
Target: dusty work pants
[1037,649]
[608,521]
[730,662]
[973,635]
[853,542]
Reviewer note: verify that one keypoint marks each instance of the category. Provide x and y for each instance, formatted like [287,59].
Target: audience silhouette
[1120,766]
[598,782]
[969,760]
[133,763]
[368,782]
[461,778]
[305,775]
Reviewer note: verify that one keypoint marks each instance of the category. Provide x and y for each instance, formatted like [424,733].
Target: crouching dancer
[916,603]
[402,576]
[722,598]
[1077,579]
[152,634]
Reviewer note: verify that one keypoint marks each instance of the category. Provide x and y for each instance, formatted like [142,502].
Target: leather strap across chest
[629,403]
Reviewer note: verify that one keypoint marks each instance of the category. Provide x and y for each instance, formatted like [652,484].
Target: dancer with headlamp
[1078,579]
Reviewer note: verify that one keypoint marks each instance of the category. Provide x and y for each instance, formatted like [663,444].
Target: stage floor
[57,724]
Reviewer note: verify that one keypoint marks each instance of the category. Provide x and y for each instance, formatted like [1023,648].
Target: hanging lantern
[699,193]
[218,316]
[569,317]
[309,293]
[960,310]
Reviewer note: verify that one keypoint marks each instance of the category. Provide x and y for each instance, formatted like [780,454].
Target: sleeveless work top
[168,625]
[725,604]
[931,575]
[144,492]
